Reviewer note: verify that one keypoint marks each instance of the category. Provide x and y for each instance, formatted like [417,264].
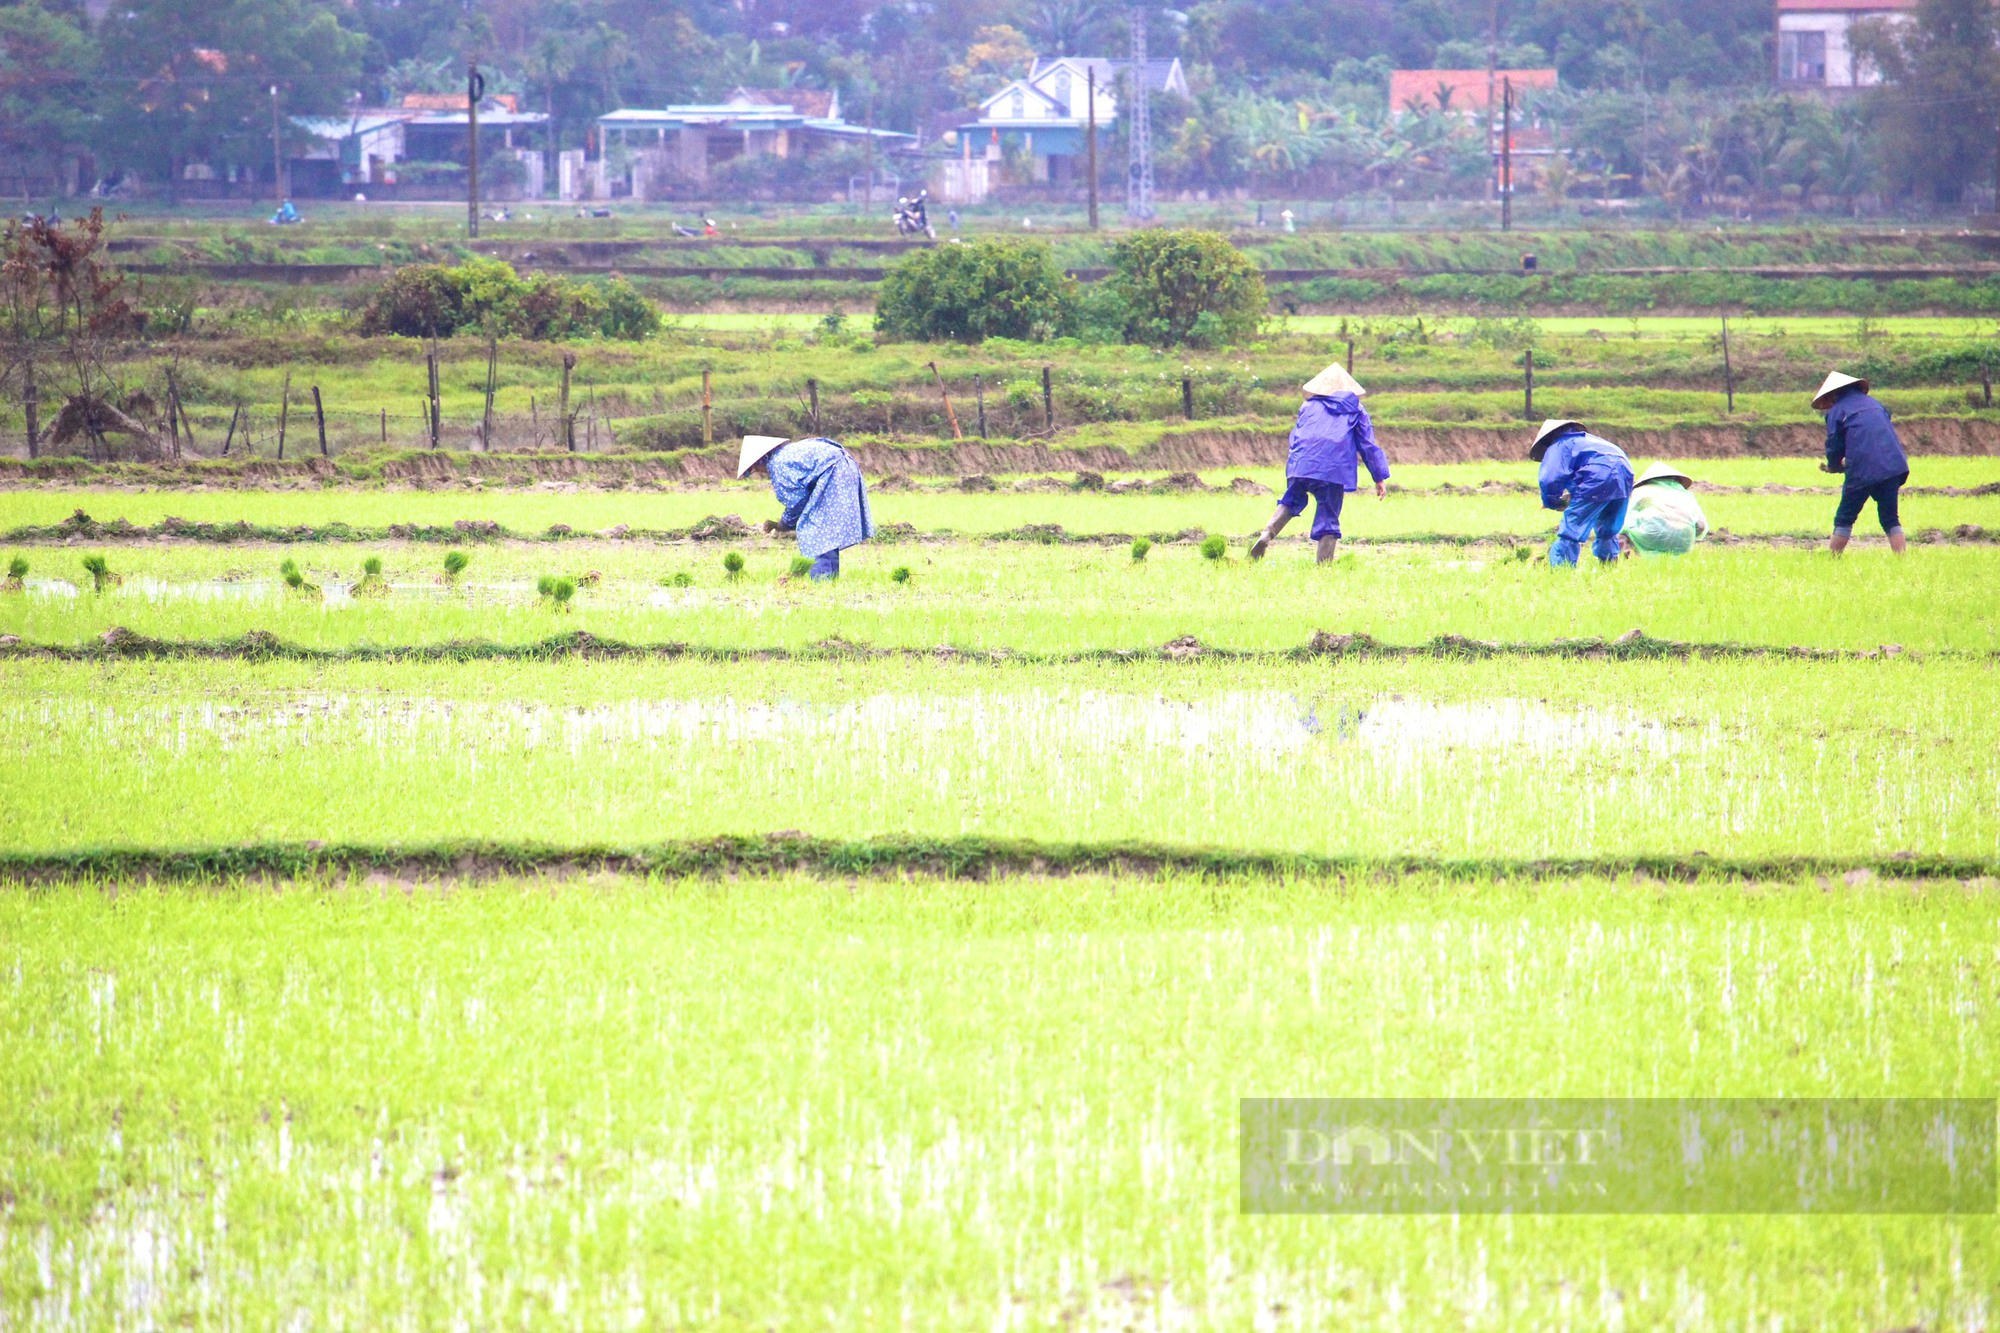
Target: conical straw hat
[755,447]
[1834,384]
[1331,381]
[1663,472]
[1548,432]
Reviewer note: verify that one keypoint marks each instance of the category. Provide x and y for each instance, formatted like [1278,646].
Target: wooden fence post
[235,415]
[952,416]
[434,410]
[385,425]
[319,418]
[187,425]
[1985,383]
[1528,365]
[707,410]
[1187,398]
[1048,403]
[284,415]
[979,392]
[566,424]
[812,405]
[492,367]
[1728,368]
[1350,356]
[32,402]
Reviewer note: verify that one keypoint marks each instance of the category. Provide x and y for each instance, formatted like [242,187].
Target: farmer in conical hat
[819,484]
[1589,481]
[1664,518]
[1862,444]
[1332,433]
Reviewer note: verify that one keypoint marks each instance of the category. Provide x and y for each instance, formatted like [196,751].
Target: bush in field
[987,289]
[488,296]
[1140,546]
[1186,287]
[1214,548]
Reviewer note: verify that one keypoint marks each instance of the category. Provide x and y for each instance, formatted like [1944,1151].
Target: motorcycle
[913,219]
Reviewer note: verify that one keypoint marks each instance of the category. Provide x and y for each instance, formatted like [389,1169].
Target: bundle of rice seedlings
[732,564]
[17,570]
[454,565]
[372,583]
[295,579]
[101,576]
[901,573]
[556,592]
[1215,548]
[1140,546]
[683,579]
[801,566]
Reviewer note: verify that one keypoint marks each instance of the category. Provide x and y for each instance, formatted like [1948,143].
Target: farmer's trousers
[826,567]
[1600,520]
[1887,497]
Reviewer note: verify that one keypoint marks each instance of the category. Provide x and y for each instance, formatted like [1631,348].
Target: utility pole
[277,154]
[1507,156]
[1090,139]
[475,89]
[1492,74]
[868,182]
[1139,134]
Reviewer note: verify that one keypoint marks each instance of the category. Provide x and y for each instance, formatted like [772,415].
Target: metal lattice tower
[1139,128]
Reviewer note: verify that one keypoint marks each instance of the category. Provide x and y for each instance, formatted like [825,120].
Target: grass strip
[261,645]
[948,858]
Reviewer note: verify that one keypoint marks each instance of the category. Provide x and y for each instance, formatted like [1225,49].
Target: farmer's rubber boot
[1329,547]
[1262,542]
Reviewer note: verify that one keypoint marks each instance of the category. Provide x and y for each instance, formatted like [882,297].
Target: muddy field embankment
[1240,444]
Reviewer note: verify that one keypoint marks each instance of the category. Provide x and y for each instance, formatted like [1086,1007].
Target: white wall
[1841,71]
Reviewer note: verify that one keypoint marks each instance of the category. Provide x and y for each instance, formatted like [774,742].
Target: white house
[1045,113]
[1813,46]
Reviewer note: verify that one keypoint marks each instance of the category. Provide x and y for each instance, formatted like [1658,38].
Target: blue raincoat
[825,499]
[1861,441]
[1597,476]
[1332,435]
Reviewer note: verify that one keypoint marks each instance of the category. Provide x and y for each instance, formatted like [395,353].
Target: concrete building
[1465,91]
[362,149]
[1045,115]
[659,149]
[1814,50]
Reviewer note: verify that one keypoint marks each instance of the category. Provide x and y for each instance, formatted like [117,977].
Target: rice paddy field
[389,946]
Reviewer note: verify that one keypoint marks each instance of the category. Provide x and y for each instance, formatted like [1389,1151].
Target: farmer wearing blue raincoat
[1589,481]
[819,484]
[1862,445]
[1332,437]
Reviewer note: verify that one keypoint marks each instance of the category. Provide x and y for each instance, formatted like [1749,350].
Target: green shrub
[1140,546]
[488,296]
[1215,548]
[1186,287]
[986,289]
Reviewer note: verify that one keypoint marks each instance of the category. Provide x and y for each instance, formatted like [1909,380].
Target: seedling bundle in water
[17,570]
[801,566]
[454,565]
[100,573]
[295,579]
[1140,546]
[901,573]
[556,591]
[372,583]
[1215,548]
[732,563]
[683,579]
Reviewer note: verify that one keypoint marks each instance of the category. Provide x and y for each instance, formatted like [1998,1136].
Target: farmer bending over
[1589,481]
[1862,443]
[820,486]
[1664,517]
[1333,430]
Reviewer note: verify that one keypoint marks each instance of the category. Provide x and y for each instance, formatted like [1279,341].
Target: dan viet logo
[1373,1145]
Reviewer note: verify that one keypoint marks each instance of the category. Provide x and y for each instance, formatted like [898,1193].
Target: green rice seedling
[1524,553]
[1140,547]
[100,573]
[732,564]
[454,565]
[372,583]
[556,592]
[17,570]
[801,566]
[295,579]
[1215,548]
[682,579]
[901,574]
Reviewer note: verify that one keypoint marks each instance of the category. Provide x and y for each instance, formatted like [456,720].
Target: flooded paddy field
[1015,597]
[789,1103]
[330,995]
